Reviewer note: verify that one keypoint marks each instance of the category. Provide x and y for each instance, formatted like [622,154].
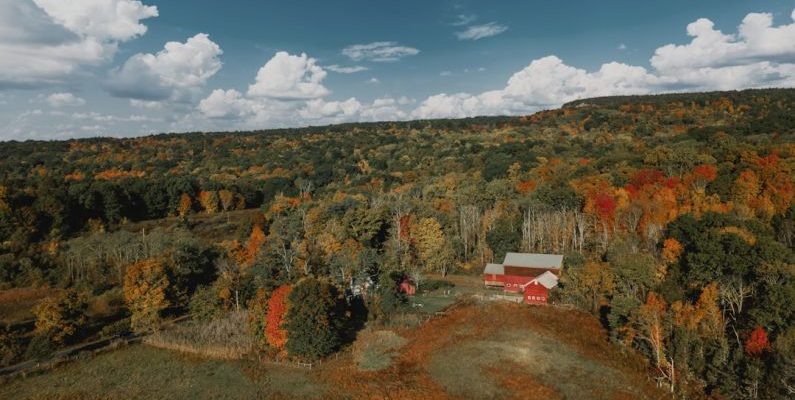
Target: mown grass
[143,372]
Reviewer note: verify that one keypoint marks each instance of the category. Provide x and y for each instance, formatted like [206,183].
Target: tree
[185,205]
[275,332]
[757,342]
[209,201]
[314,319]
[59,317]
[145,290]
[432,247]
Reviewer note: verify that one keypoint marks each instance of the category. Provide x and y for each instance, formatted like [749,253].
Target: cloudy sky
[84,68]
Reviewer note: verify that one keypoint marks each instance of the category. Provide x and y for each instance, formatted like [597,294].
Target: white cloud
[174,73]
[373,81]
[65,100]
[226,104]
[289,77]
[759,55]
[477,32]
[622,46]
[346,70]
[101,19]
[46,41]
[445,73]
[378,51]
[463,19]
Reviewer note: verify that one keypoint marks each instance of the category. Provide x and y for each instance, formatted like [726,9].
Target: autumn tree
[185,205]
[61,316]
[145,290]
[757,342]
[432,246]
[275,332]
[209,201]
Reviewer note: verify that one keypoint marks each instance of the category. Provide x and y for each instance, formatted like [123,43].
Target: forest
[675,213]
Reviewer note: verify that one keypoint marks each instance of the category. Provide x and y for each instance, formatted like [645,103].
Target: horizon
[124,68]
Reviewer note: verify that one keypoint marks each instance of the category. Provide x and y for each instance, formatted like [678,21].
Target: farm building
[533,275]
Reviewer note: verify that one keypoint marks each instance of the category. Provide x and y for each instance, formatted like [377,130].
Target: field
[476,350]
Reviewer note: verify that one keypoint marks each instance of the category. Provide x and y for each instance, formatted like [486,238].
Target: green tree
[314,319]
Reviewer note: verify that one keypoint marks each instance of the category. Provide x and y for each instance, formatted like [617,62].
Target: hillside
[510,351]
[674,214]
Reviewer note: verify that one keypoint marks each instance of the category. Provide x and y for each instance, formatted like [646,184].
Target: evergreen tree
[314,319]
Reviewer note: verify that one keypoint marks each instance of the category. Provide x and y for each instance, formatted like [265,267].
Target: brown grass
[469,325]
[16,303]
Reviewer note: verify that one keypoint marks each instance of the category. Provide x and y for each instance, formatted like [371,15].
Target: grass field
[475,350]
[143,372]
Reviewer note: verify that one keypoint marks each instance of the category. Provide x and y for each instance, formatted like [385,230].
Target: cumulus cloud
[173,73]
[65,100]
[102,19]
[378,51]
[226,104]
[758,55]
[289,77]
[346,70]
[477,32]
[46,41]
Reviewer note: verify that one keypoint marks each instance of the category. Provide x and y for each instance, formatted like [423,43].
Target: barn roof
[547,279]
[531,260]
[494,269]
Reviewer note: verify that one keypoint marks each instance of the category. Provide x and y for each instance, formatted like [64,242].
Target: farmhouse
[533,275]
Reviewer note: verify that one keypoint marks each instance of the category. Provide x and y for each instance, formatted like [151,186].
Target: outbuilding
[533,275]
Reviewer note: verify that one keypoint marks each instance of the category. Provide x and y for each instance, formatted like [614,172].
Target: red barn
[531,274]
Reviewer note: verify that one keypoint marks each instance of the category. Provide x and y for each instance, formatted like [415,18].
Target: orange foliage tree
[275,333]
[145,287]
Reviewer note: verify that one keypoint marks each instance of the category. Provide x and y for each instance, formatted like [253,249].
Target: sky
[121,68]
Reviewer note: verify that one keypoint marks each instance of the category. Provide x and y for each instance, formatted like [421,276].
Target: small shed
[407,288]
[537,290]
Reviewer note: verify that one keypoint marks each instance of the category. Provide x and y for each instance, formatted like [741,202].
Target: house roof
[547,279]
[531,260]
[494,269]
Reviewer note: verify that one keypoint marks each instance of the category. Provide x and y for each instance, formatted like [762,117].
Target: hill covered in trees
[675,213]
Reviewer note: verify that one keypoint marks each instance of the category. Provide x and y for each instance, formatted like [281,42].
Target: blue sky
[88,68]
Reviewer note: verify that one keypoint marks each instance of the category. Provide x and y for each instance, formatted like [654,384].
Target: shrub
[374,350]
[10,348]
[39,347]
[116,329]
[204,304]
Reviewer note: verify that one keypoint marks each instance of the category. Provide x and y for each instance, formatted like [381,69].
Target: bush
[387,301]
[436,284]
[374,350]
[204,304]
[116,329]
[39,347]
[10,348]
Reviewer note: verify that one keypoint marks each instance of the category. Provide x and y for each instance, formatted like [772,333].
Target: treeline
[675,214]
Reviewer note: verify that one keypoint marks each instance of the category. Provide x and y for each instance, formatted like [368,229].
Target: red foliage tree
[275,333]
[757,342]
[706,172]
[605,206]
